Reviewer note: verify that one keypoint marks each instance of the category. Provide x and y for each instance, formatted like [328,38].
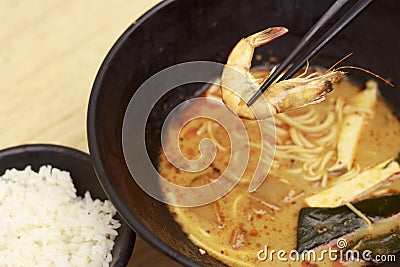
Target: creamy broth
[237,226]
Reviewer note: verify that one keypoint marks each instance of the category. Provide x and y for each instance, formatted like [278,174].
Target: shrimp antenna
[369,72]
[340,61]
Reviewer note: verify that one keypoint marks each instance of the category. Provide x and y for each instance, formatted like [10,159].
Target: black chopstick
[303,42]
[328,36]
[318,46]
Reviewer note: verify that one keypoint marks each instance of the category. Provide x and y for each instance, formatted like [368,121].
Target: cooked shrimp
[238,84]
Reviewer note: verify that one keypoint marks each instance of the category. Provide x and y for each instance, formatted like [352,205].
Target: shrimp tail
[267,36]
[242,54]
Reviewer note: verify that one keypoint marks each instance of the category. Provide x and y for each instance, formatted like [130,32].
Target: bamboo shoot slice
[350,189]
[351,128]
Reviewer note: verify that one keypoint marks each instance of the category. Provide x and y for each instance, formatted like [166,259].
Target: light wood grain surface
[49,55]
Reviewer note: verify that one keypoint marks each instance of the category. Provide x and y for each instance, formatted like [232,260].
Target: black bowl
[180,31]
[84,178]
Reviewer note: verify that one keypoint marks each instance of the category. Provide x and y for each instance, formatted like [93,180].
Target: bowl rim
[112,195]
[65,150]
[38,147]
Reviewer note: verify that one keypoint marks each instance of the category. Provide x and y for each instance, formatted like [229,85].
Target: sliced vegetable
[318,226]
[348,190]
[351,128]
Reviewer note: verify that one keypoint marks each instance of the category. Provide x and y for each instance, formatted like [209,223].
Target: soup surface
[236,227]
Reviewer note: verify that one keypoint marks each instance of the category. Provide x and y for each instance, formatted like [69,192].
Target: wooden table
[49,55]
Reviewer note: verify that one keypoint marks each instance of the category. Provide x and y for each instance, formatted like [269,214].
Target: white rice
[44,223]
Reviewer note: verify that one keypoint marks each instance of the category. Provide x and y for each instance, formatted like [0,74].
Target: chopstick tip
[254,98]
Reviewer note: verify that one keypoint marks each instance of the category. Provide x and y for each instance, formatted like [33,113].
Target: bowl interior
[180,31]
[84,178]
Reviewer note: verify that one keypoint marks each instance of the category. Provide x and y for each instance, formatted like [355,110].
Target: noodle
[310,129]
[201,230]
[353,172]
[358,213]
[283,155]
[325,160]
[307,143]
[329,139]
[202,129]
[324,181]
[312,178]
[294,136]
[211,134]
[299,149]
[307,118]
[235,204]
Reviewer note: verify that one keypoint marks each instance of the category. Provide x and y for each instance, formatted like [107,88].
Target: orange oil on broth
[234,228]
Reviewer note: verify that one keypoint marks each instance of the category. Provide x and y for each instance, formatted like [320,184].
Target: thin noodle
[302,158]
[204,232]
[299,149]
[309,120]
[280,131]
[278,139]
[202,129]
[324,180]
[295,138]
[312,129]
[313,165]
[186,128]
[234,205]
[348,175]
[285,181]
[211,134]
[325,160]
[358,213]
[330,138]
[267,145]
[312,178]
[307,143]
[297,170]
[305,71]
[305,116]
